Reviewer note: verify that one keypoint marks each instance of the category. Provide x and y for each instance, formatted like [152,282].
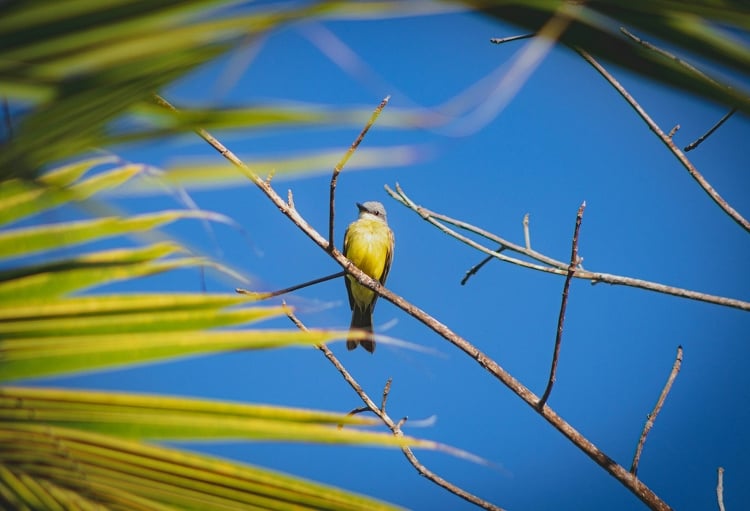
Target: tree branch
[643,492]
[287,209]
[393,426]
[652,416]
[667,141]
[692,68]
[720,488]
[502,40]
[668,55]
[260,295]
[474,269]
[561,317]
[550,265]
[526,233]
[340,166]
[699,140]
[386,393]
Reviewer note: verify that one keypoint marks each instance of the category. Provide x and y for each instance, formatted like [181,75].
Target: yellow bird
[368,243]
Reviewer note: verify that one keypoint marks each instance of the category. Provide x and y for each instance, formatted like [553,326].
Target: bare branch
[289,196]
[474,269]
[356,411]
[386,391]
[693,69]
[551,265]
[667,141]
[720,488]
[561,317]
[710,132]
[643,492]
[394,427]
[259,295]
[288,210]
[668,55]
[501,40]
[340,166]
[664,53]
[652,416]
[526,233]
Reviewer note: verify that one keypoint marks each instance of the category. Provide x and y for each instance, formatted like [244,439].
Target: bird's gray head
[372,207]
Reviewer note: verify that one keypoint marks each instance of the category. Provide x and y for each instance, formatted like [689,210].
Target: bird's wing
[389,259]
[346,277]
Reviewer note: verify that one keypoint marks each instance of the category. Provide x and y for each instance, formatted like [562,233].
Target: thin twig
[549,264]
[640,490]
[526,232]
[707,134]
[501,40]
[693,69]
[286,209]
[386,391]
[561,317]
[260,295]
[394,427]
[720,488]
[668,55]
[289,197]
[697,176]
[340,166]
[652,416]
[356,411]
[474,269]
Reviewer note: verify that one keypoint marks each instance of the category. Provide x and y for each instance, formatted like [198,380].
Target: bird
[368,243]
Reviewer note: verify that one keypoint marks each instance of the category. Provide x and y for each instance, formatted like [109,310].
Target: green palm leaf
[44,331]
[19,198]
[700,31]
[79,469]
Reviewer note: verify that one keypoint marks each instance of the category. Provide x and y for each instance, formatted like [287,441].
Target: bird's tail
[362,320]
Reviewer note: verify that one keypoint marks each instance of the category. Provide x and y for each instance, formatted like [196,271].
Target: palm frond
[51,467]
[698,31]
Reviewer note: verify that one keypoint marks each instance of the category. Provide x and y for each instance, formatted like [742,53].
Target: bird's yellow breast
[368,243]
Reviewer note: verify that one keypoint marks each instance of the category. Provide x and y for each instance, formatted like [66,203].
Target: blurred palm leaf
[207,174]
[711,34]
[45,331]
[75,67]
[52,467]
[140,416]
[81,65]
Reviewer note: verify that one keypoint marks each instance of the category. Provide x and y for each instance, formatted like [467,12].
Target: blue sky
[564,138]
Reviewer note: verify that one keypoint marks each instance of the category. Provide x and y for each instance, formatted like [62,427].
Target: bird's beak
[361,207]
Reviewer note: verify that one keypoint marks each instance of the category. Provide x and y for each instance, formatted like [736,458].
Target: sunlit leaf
[200,175]
[117,304]
[45,356]
[48,281]
[124,473]
[131,321]
[44,237]
[21,198]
